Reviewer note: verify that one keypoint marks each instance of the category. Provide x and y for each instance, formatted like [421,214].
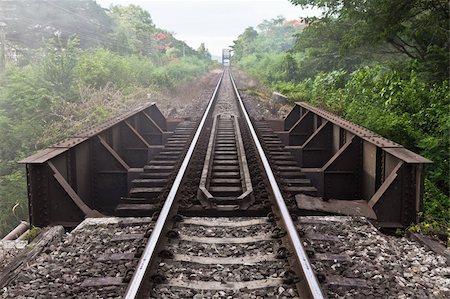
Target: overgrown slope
[64,77]
[348,63]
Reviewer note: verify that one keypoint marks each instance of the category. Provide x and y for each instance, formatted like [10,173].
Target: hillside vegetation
[381,64]
[72,63]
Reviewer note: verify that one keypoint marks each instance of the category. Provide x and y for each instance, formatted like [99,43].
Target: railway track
[222,256]
[220,189]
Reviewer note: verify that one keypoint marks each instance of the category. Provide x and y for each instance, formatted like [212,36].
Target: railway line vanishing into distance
[225,185]
[214,206]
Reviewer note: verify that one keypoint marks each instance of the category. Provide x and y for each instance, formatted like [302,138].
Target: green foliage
[184,69]
[327,46]
[102,67]
[57,67]
[29,24]
[134,30]
[437,207]
[203,52]
[381,64]
[64,83]
[173,53]
[32,234]
[403,108]
[244,45]
[24,105]
[415,29]
[390,77]
[267,67]
[13,203]
[99,67]
[274,35]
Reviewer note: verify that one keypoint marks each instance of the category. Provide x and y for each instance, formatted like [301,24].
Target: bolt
[128,275]
[166,254]
[278,233]
[282,253]
[139,251]
[173,234]
[158,278]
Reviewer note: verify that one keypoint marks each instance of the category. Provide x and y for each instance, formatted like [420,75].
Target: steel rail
[149,251]
[300,253]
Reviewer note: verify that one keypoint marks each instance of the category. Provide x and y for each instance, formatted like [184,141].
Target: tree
[58,64]
[203,52]
[417,29]
[134,30]
[275,35]
[268,25]
[242,46]
[173,53]
[290,68]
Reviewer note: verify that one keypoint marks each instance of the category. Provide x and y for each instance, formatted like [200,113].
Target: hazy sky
[215,22]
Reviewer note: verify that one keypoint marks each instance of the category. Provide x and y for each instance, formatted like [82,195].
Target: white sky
[215,22]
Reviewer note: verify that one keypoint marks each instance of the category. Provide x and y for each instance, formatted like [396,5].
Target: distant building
[298,23]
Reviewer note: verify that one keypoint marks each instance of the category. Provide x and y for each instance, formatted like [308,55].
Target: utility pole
[2,47]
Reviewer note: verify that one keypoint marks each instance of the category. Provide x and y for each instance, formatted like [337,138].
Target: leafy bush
[100,67]
[34,97]
[396,87]
[13,199]
[401,107]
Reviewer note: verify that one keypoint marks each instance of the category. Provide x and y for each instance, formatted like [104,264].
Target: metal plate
[407,155]
[51,152]
[355,129]
[42,156]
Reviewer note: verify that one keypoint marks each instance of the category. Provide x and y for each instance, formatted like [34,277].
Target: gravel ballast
[392,267]
[59,271]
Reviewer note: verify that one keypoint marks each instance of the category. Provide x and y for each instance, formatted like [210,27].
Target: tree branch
[401,48]
[419,51]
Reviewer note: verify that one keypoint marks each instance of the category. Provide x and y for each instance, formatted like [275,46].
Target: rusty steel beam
[137,134]
[90,170]
[113,154]
[355,163]
[88,212]
[203,195]
[316,150]
[302,129]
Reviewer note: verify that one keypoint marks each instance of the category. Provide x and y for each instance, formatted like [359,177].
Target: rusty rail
[136,282]
[309,285]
